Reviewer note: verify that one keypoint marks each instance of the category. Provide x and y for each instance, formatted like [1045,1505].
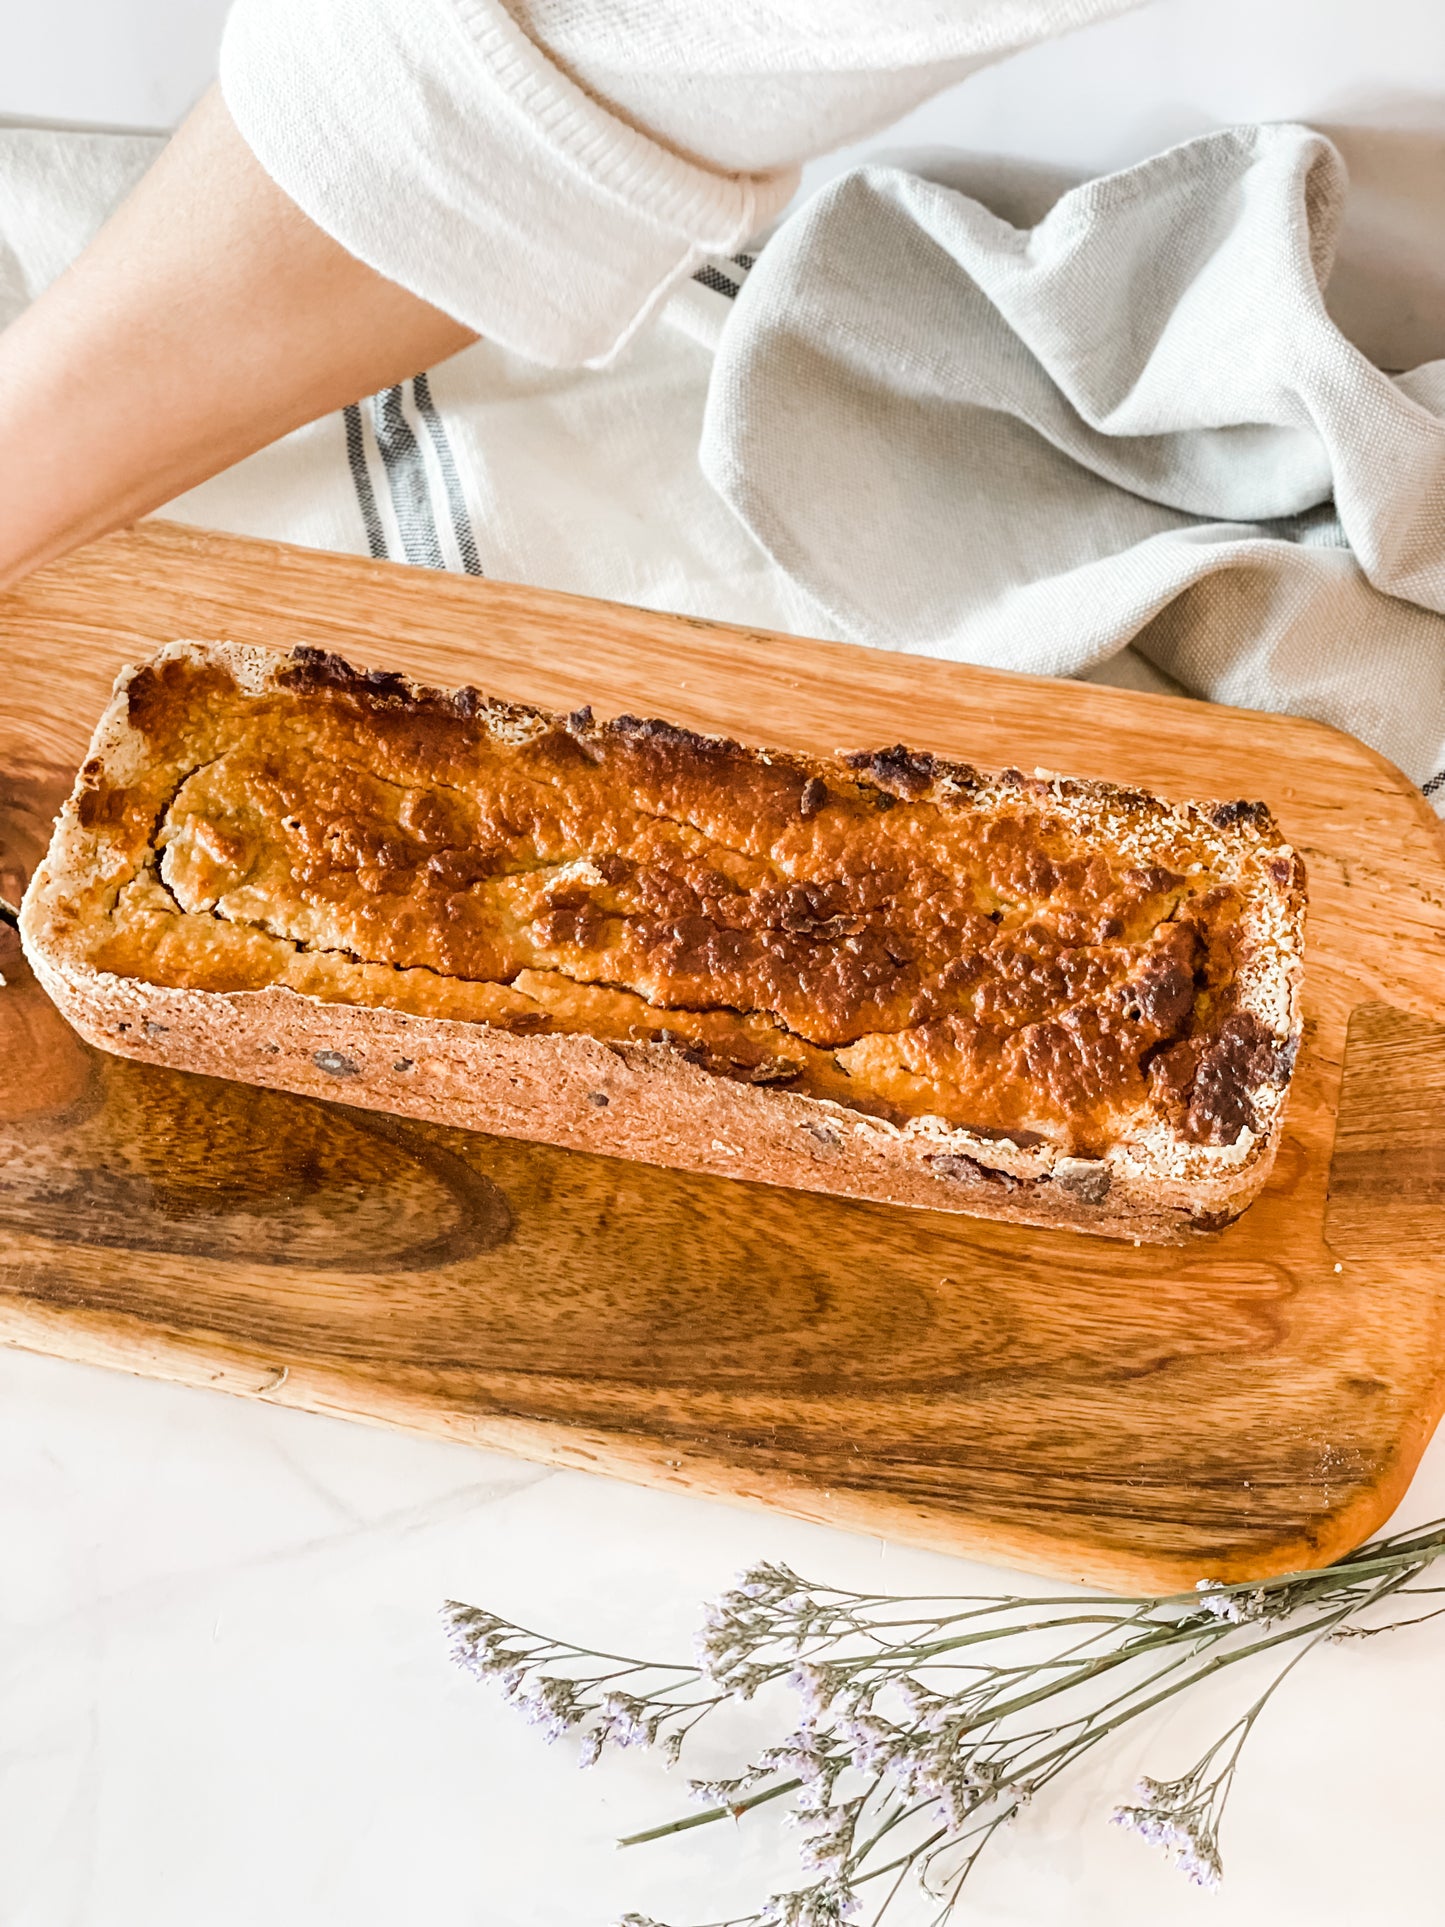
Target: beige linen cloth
[1123,440]
[1131,423]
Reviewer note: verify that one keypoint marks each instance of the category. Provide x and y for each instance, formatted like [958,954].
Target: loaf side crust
[658,1110]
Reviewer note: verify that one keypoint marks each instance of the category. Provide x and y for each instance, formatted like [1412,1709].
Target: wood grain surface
[1139,1417]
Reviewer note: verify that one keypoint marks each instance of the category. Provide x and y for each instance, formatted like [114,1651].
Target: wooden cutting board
[1136,1417]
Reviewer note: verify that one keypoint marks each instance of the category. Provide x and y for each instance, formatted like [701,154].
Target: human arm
[390,178]
[208,317]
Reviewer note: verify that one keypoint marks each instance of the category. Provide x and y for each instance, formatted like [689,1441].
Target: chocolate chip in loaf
[1084,1178]
[335,1064]
[960,1169]
[403,1063]
[1284,1061]
[1214,1221]
[1025,1140]
[907,772]
[153,1029]
[599,1100]
[814,796]
[773,1070]
[1225,815]
[524,1023]
[690,1052]
[1207,1084]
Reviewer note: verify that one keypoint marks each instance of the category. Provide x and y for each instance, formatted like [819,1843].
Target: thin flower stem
[1011,1632]
[1054,1762]
[1091,1669]
[898,1819]
[1312,1638]
[905,1861]
[1327,1577]
[623,1672]
[1088,1720]
[990,1607]
[703,1710]
[892,1894]
[733,1811]
[1427,1541]
[1218,1661]
[1397,1625]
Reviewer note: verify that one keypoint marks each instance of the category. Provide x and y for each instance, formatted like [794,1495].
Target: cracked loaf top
[1031,958]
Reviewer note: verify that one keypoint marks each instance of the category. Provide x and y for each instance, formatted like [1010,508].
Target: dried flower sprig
[927,1723]
[558,1686]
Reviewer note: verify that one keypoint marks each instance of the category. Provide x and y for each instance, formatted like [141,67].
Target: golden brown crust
[886,975]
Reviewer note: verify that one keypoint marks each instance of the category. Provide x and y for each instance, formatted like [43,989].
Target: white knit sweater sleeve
[547,170]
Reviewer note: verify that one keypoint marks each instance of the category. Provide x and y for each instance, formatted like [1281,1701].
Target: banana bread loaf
[886,975]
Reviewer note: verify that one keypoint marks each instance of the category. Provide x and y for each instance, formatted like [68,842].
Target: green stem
[1218,1661]
[892,1893]
[895,1819]
[732,1811]
[1096,1668]
[922,1654]
[904,1860]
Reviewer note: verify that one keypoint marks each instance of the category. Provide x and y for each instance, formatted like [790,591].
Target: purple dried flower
[925,1707]
[1236,1608]
[873,1742]
[768,1583]
[548,1702]
[829,1833]
[817,1686]
[725,1793]
[1175,1815]
[826,1905]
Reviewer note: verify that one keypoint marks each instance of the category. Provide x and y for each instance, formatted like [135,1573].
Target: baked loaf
[886,976]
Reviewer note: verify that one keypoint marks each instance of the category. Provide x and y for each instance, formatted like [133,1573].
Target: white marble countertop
[225,1697]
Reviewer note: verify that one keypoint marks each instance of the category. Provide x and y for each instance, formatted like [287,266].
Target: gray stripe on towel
[406,478]
[451,480]
[361,482]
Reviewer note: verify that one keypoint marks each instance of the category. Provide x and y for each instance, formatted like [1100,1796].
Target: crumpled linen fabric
[1131,423]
